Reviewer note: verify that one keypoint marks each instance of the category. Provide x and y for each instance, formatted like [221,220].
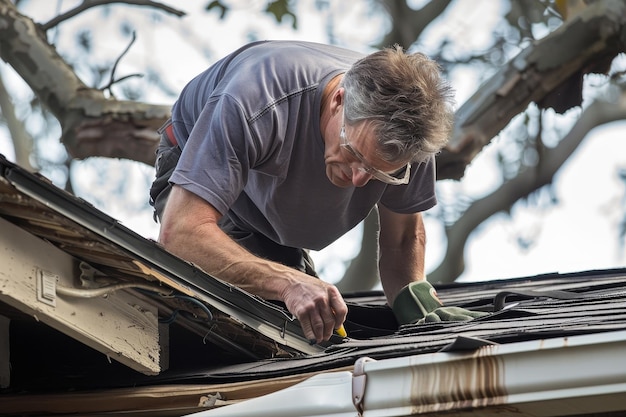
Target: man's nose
[360,177]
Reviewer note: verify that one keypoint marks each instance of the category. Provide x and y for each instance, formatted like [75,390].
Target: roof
[161,322]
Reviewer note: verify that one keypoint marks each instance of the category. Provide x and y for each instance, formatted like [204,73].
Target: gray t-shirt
[249,129]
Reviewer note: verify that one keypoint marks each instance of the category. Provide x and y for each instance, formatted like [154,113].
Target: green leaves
[217,4]
[278,8]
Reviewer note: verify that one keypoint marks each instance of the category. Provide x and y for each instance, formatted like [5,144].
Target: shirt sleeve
[218,154]
[416,196]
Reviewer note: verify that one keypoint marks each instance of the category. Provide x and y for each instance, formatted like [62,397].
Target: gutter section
[551,377]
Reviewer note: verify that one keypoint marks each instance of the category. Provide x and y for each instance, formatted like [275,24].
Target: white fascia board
[536,378]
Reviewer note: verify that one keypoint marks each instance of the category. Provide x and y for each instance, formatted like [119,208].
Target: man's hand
[418,303]
[318,306]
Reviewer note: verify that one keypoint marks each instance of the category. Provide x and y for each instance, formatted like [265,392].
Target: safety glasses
[399,177]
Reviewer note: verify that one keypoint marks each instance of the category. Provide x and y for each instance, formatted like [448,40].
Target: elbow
[187,220]
[167,236]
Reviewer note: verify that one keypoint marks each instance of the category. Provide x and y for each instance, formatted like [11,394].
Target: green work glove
[418,303]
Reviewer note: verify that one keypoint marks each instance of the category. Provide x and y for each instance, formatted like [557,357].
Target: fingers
[339,308]
[320,309]
[322,324]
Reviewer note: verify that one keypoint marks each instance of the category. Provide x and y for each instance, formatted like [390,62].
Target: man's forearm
[190,230]
[209,248]
[402,251]
[398,269]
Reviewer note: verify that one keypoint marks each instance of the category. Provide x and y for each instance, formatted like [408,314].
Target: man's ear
[337,100]
[341,94]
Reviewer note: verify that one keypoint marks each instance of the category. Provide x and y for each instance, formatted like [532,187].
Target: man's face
[353,160]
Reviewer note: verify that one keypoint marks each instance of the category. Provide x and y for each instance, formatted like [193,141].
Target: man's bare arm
[189,230]
[402,250]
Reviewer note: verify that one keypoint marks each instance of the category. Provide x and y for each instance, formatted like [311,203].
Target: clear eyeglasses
[401,176]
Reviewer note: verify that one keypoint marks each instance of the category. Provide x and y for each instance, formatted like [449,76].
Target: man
[284,146]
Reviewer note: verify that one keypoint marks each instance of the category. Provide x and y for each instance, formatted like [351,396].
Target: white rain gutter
[550,377]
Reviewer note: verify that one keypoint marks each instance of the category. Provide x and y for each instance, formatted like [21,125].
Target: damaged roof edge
[560,376]
[264,317]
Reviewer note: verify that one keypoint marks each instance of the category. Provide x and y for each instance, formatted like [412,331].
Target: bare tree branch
[22,141]
[87,4]
[112,79]
[407,23]
[533,178]
[582,45]
[92,124]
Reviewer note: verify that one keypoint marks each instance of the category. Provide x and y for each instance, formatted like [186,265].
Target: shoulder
[284,49]
[291,60]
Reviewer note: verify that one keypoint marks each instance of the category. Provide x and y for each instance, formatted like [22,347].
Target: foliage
[278,8]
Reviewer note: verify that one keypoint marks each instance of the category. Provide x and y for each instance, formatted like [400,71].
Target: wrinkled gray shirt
[249,128]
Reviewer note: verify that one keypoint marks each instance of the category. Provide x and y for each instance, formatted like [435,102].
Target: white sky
[580,233]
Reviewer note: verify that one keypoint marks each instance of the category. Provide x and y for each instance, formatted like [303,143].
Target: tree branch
[408,24]
[87,4]
[362,273]
[112,79]
[595,36]
[531,179]
[22,141]
[92,125]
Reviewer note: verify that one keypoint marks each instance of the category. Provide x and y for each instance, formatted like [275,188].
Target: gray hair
[405,99]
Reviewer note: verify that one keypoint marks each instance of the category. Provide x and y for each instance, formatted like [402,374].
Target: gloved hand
[418,303]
